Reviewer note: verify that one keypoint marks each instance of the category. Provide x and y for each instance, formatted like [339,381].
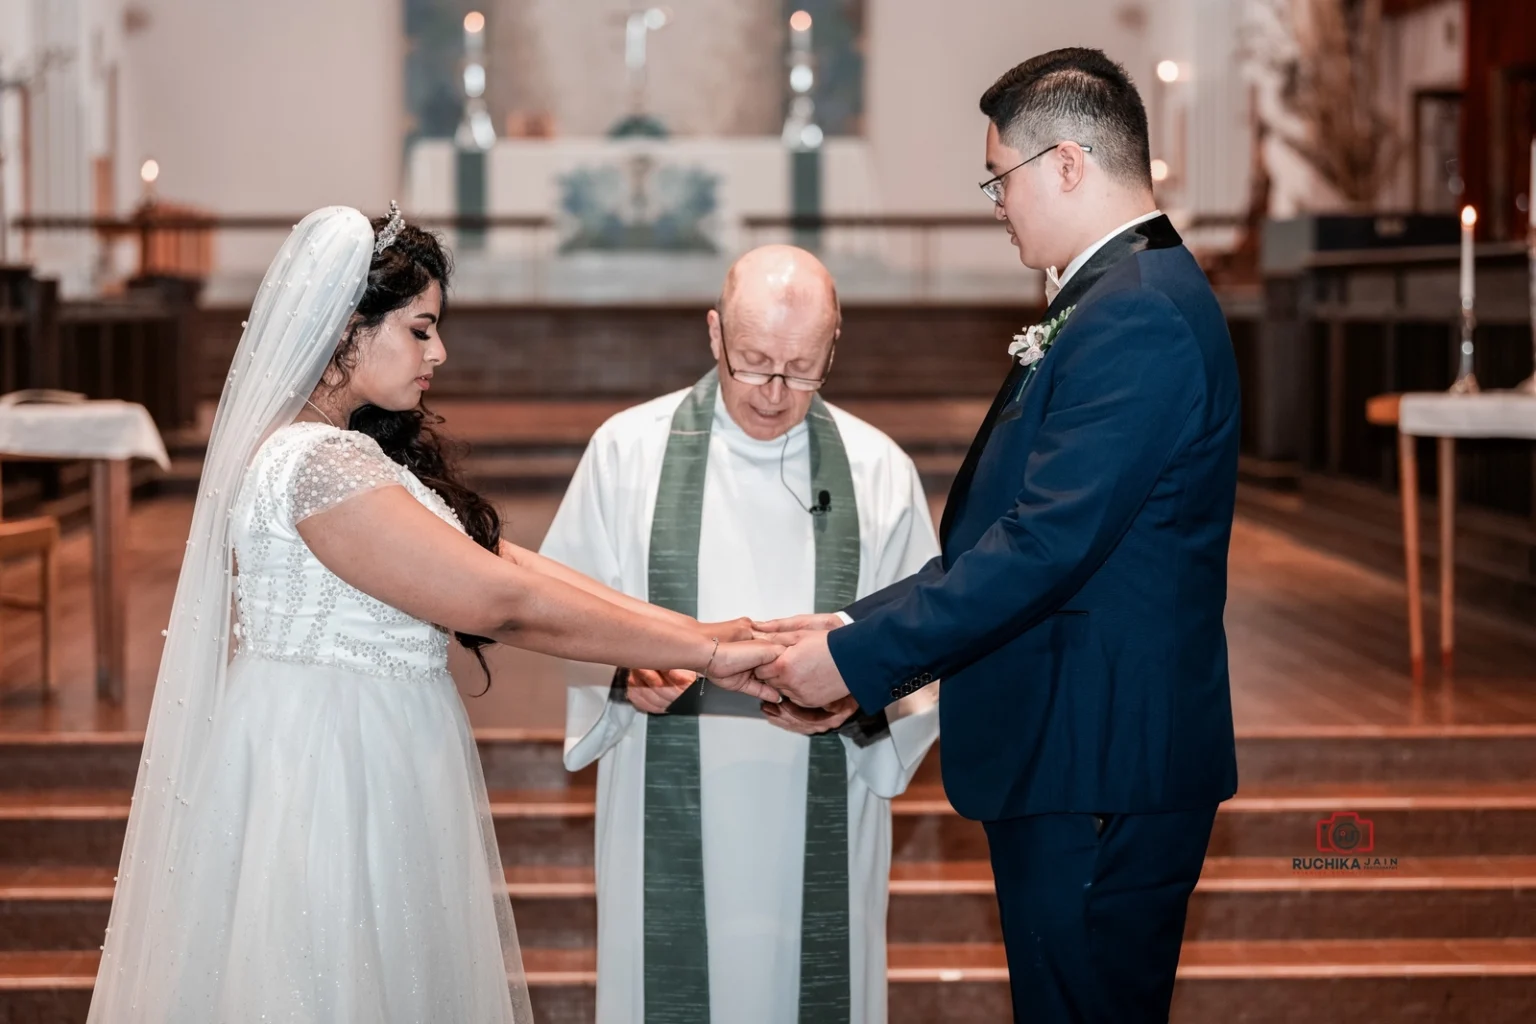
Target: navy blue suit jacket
[1075,614]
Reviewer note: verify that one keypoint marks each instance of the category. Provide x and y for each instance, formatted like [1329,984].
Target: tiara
[390,231]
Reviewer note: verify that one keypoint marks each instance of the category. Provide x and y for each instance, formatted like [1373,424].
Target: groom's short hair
[1074,94]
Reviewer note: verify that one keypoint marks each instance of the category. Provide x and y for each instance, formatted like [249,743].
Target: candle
[474,37]
[1468,221]
[1530,190]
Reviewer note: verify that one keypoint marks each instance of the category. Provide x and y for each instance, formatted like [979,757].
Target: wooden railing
[177,241]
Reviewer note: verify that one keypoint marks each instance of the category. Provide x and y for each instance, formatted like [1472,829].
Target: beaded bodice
[292,608]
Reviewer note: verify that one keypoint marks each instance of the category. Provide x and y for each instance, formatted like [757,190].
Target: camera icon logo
[1345,832]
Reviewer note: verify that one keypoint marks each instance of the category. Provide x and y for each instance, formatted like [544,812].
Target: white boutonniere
[1031,346]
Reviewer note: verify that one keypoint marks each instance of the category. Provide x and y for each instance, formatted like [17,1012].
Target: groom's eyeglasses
[992,188]
[758,379]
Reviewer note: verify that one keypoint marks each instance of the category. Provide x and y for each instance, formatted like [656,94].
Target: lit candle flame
[800,21]
[1468,216]
[474,23]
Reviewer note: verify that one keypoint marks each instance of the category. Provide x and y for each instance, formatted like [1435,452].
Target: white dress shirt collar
[1054,281]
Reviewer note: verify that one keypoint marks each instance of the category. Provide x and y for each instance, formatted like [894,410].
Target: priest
[743,849]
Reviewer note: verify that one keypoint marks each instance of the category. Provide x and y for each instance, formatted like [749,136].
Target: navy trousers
[1093,911]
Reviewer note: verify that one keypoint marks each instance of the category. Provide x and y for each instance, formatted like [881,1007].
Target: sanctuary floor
[1436,926]
[1318,644]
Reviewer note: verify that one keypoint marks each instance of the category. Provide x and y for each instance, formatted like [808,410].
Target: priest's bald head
[772,333]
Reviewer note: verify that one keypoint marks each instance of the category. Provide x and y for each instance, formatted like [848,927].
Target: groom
[1076,611]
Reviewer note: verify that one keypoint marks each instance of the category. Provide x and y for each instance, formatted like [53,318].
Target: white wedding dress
[337,861]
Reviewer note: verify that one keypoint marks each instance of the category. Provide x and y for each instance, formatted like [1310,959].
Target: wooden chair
[39,536]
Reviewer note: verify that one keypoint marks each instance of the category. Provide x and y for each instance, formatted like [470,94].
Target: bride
[310,838]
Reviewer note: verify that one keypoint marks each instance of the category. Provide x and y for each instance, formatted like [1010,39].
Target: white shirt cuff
[847,619]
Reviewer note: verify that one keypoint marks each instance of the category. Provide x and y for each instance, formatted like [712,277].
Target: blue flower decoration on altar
[639,206]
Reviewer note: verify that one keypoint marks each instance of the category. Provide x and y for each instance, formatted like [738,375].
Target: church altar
[661,219]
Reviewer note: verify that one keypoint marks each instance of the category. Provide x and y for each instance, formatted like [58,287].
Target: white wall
[279,106]
[929,63]
[266,106]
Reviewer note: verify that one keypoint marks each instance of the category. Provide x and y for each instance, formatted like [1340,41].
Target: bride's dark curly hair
[395,277]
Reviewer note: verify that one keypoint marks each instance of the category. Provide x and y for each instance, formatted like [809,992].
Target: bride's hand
[733,664]
[730,629]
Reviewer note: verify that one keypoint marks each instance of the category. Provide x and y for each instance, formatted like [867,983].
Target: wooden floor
[1437,927]
[1317,644]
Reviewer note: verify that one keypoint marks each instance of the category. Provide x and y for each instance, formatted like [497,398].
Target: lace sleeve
[337,467]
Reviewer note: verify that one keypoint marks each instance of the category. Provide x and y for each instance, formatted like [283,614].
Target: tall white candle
[1468,289]
[1530,190]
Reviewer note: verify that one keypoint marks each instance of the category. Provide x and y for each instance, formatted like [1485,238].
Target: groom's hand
[770,629]
[653,692]
[805,672]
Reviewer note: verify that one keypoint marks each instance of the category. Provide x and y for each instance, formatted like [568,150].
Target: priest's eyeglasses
[992,188]
[758,379]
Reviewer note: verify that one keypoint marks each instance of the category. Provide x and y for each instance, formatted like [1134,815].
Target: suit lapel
[973,454]
[1157,233]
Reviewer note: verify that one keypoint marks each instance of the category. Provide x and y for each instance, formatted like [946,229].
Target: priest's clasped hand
[805,672]
[653,692]
[810,721]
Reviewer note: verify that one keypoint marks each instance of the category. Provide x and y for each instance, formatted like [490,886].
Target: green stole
[676,943]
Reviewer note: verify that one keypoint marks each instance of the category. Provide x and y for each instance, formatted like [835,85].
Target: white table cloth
[81,430]
[108,434]
[1487,414]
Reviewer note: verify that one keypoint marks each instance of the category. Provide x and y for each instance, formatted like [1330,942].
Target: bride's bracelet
[711,663]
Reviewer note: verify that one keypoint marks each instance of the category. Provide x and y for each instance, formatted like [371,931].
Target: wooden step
[1401,754]
[526,759]
[1264,899]
[1242,898]
[925,799]
[910,963]
[1417,981]
[1419,819]
[553,826]
[511,758]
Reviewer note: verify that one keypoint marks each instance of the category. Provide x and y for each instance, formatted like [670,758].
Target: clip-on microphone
[823,498]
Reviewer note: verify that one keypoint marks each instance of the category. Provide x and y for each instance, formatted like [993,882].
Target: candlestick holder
[1466,380]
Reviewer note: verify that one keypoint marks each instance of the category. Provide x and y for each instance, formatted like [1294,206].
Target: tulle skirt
[339,862]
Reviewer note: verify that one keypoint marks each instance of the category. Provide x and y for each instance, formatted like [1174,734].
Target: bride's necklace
[317,409]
